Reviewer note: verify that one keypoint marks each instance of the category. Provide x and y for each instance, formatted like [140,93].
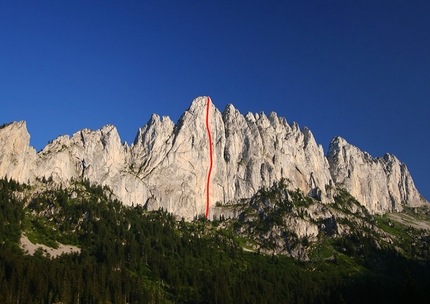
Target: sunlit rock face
[17,157]
[381,184]
[167,165]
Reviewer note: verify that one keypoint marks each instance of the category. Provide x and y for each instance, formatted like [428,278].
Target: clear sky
[357,69]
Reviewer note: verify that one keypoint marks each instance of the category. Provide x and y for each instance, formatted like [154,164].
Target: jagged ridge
[167,164]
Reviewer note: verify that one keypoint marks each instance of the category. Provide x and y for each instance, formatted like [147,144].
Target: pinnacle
[198,104]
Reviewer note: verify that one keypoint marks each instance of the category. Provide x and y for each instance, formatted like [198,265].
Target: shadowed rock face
[167,165]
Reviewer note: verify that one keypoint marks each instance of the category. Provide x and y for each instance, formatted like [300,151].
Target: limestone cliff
[381,184]
[167,165]
[17,157]
[249,152]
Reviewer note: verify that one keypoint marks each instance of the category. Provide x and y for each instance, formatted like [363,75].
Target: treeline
[129,255]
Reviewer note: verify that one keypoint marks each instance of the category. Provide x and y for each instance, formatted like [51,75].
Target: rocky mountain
[381,184]
[168,164]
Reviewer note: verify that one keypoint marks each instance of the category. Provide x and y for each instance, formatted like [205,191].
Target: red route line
[210,155]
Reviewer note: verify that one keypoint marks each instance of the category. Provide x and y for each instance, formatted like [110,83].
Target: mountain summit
[167,165]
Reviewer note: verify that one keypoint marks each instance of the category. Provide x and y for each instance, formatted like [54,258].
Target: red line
[210,155]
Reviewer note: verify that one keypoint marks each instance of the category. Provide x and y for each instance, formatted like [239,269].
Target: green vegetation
[5,125]
[129,255]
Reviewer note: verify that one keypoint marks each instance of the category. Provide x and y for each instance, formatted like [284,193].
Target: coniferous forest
[129,255]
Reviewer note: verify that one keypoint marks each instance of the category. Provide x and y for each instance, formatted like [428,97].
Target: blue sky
[357,69]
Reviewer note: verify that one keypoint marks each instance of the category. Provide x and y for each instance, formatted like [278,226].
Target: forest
[130,255]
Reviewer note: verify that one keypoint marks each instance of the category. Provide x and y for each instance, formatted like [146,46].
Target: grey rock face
[381,184]
[16,155]
[248,152]
[167,165]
